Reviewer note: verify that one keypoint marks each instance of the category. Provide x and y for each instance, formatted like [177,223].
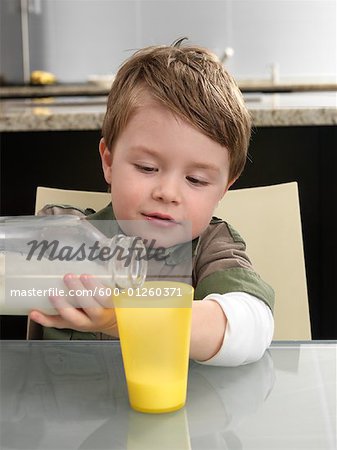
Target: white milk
[26,285]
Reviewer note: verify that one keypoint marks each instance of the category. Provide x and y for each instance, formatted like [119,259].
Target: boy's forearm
[208,329]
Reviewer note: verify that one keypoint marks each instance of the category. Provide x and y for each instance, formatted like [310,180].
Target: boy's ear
[106,159]
[229,184]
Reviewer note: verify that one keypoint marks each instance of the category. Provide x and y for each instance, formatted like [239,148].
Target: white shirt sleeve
[249,330]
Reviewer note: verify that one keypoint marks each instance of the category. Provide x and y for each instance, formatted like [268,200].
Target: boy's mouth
[159,218]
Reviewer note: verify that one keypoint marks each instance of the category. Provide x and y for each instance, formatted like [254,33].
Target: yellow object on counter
[42,78]
[154,324]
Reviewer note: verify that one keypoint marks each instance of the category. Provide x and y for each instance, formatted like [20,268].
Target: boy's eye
[146,169]
[196,181]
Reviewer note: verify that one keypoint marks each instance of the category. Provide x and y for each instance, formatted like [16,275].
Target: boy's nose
[167,191]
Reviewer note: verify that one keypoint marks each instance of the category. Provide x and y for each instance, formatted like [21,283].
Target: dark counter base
[307,155]
[70,159]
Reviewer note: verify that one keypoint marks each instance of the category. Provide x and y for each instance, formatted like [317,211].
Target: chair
[81,199]
[268,219]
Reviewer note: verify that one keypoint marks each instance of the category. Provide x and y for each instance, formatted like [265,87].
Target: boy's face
[165,172]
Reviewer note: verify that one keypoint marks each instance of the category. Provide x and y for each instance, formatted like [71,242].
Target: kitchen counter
[54,89]
[248,85]
[287,85]
[86,113]
[52,113]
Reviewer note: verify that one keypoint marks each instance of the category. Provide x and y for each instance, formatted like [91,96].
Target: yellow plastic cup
[154,324]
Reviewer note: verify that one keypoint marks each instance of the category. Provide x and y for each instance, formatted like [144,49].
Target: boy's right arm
[96,315]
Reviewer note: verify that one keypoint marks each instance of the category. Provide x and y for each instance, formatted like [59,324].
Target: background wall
[10,40]
[76,38]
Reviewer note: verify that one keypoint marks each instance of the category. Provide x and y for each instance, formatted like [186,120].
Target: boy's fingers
[47,320]
[71,316]
[84,319]
[99,291]
[81,308]
[79,296]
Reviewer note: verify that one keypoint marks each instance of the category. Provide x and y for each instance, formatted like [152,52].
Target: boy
[175,138]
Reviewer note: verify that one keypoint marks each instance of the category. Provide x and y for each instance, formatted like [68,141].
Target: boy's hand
[81,313]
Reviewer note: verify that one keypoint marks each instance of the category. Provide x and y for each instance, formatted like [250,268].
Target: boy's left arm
[230,329]
[208,329]
[232,324]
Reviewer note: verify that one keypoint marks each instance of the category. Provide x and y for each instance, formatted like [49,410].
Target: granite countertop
[249,85]
[86,113]
[287,85]
[54,89]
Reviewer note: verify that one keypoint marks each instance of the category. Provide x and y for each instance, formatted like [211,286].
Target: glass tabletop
[72,395]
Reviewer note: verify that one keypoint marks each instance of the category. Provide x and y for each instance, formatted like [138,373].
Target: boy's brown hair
[194,85]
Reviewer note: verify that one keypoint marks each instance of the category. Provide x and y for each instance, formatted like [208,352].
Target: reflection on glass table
[72,395]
